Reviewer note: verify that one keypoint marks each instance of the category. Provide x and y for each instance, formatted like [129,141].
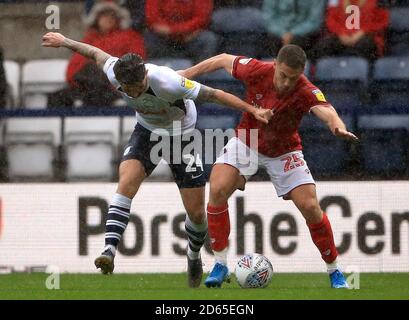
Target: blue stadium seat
[398,32]
[384,145]
[326,155]
[343,80]
[173,63]
[241,29]
[220,79]
[217,121]
[390,81]
[212,109]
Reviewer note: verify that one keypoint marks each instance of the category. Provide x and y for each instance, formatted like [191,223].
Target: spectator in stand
[3,82]
[137,10]
[178,28]
[368,41]
[108,28]
[292,22]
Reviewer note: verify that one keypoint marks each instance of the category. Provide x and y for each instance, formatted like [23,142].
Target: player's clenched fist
[263,115]
[53,39]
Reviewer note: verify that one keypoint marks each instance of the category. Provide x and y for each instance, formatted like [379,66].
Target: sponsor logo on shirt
[319,95]
[188,84]
[259,96]
[244,61]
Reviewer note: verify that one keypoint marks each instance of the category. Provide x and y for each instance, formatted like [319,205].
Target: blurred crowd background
[363,72]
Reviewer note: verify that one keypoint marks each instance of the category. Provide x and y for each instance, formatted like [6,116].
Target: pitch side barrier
[66,223]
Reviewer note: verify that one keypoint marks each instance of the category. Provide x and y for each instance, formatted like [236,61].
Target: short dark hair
[293,56]
[130,69]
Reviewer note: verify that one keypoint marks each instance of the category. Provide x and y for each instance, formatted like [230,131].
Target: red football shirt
[280,135]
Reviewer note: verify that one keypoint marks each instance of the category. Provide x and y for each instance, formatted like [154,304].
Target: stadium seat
[241,30]
[91,147]
[398,33]
[384,145]
[12,70]
[326,155]
[217,122]
[40,77]
[213,109]
[32,148]
[173,63]
[390,82]
[128,125]
[220,79]
[343,79]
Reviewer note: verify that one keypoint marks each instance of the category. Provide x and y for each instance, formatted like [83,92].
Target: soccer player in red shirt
[281,87]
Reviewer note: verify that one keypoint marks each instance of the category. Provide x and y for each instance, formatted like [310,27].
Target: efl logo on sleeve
[188,84]
[319,95]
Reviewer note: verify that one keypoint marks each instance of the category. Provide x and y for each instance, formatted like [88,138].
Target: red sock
[218,226]
[321,234]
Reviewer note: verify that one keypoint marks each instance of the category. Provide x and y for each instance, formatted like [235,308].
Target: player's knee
[219,193]
[128,185]
[127,189]
[310,206]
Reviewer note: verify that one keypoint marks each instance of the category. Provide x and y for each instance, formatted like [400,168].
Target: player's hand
[53,39]
[345,134]
[263,115]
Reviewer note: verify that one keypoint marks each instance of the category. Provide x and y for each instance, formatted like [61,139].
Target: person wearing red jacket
[178,28]
[108,29]
[344,39]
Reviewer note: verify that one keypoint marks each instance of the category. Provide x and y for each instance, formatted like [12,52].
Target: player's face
[285,78]
[107,22]
[135,90]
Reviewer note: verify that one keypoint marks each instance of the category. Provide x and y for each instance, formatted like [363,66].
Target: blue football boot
[217,276]
[338,280]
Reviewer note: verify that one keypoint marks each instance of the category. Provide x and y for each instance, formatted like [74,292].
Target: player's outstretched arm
[334,122]
[56,40]
[207,94]
[221,61]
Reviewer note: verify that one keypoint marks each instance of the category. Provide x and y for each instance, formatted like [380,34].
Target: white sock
[193,255]
[333,266]
[110,247]
[221,256]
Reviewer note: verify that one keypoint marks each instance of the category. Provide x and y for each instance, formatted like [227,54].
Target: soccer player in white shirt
[163,101]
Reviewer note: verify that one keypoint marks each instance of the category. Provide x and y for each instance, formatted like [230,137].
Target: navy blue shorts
[186,166]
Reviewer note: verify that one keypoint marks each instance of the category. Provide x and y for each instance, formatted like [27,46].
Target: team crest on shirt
[244,61]
[319,95]
[186,83]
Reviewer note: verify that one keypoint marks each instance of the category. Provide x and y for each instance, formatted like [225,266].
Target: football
[254,271]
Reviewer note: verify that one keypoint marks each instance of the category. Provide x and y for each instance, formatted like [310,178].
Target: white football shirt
[167,106]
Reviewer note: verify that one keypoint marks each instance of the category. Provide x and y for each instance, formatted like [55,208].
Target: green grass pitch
[298,286]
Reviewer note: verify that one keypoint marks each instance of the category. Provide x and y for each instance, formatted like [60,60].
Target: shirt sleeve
[246,69]
[174,86]
[109,71]
[313,97]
